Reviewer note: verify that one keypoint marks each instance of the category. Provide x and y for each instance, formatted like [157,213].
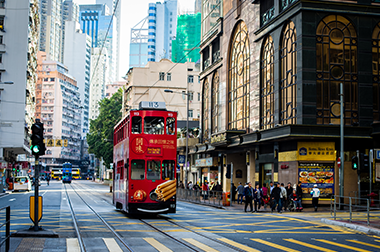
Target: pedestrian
[283,195]
[275,195]
[289,191]
[271,186]
[315,193]
[233,192]
[248,195]
[257,197]
[196,187]
[205,190]
[295,198]
[190,185]
[299,193]
[47,179]
[240,190]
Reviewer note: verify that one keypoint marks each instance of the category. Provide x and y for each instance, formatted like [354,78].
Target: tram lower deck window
[168,169]
[138,169]
[153,169]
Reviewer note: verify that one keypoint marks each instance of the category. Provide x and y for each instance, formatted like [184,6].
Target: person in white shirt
[315,193]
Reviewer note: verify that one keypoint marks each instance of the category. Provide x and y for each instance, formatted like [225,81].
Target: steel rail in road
[183,227]
[99,217]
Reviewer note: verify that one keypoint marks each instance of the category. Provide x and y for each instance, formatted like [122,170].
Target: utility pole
[232,178]
[341,170]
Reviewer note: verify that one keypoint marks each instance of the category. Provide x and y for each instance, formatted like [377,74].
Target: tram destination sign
[152,105]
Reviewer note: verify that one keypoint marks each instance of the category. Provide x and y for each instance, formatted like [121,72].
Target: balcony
[215,56]
[181,142]
[268,15]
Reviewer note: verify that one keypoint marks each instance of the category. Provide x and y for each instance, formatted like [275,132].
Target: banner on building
[316,173]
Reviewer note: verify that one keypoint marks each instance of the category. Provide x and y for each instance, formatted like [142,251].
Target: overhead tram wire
[190,50]
[104,41]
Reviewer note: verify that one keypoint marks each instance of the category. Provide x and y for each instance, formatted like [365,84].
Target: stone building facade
[271,72]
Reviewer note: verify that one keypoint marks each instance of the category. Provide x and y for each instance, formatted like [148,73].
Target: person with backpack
[275,195]
[315,193]
[240,190]
[248,195]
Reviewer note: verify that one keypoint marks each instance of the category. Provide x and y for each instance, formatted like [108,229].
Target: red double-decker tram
[145,146]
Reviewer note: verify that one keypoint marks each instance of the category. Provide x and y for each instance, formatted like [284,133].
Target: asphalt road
[245,231]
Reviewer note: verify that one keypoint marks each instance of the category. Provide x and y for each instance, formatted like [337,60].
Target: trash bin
[10,186]
[373,195]
[226,199]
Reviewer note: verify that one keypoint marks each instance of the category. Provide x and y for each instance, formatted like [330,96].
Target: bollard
[334,207]
[350,210]
[367,212]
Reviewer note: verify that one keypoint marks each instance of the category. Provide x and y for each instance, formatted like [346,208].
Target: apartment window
[171,13]
[199,79]
[162,76]
[46,79]
[52,79]
[170,20]
[1,58]
[168,76]
[0,76]
[199,96]
[2,3]
[191,96]
[191,113]
[1,23]
[190,79]
[1,39]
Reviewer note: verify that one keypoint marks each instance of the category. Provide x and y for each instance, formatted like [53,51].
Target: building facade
[58,107]
[271,102]
[77,58]
[99,75]
[97,21]
[112,88]
[70,12]
[138,44]
[18,69]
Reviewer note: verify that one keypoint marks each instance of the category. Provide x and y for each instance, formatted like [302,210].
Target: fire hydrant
[373,195]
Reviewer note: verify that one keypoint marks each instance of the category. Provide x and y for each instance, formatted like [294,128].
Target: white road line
[12,199]
[112,245]
[44,193]
[72,245]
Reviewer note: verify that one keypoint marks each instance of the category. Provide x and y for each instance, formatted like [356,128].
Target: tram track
[165,233]
[77,229]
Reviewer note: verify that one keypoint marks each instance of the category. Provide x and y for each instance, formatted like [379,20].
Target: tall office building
[138,45]
[51,28]
[115,7]
[95,20]
[77,58]
[70,12]
[197,6]
[98,79]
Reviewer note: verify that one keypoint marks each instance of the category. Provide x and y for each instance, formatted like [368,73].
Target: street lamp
[187,125]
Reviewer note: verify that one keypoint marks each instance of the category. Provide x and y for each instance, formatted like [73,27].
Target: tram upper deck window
[153,171]
[136,125]
[168,169]
[138,169]
[170,126]
[154,125]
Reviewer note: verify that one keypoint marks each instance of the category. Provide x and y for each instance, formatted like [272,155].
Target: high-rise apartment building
[95,20]
[19,29]
[99,59]
[197,6]
[59,104]
[70,12]
[77,58]
[51,28]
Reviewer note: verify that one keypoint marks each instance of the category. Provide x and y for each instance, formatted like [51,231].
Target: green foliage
[100,138]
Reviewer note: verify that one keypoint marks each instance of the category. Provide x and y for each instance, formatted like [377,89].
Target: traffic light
[364,162]
[38,146]
[355,162]
[228,173]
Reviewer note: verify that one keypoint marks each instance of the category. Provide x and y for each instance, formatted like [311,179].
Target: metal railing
[7,223]
[360,210]
[212,198]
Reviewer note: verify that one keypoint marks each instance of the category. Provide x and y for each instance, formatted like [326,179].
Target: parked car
[22,183]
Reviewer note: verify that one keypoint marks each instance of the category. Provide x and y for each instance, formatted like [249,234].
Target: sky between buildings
[132,12]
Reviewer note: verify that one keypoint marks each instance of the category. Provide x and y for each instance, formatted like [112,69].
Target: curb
[359,228]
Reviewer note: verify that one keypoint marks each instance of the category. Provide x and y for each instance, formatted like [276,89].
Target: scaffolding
[185,48]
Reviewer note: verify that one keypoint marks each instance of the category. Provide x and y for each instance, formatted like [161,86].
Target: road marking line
[309,245]
[199,245]
[238,245]
[157,245]
[377,240]
[364,243]
[12,199]
[275,245]
[342,245]
[112,245]
[72,245]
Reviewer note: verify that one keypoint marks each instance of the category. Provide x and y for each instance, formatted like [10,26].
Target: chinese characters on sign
[56,142]
[154,150]
[318,151]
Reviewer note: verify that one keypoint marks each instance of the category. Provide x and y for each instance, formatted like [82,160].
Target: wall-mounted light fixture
[247,155]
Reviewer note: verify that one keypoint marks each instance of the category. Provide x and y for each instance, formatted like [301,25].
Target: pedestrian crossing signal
[355,164]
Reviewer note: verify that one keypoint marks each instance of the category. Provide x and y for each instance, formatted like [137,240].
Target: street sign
[181,159]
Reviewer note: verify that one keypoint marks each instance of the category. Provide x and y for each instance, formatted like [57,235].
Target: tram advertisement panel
[321,174]
[166,190]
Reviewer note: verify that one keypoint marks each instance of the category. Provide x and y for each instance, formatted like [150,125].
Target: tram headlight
[153,196]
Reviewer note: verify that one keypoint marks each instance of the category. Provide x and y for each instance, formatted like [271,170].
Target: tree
[100,138]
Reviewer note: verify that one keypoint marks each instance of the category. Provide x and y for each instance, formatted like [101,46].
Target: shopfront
[209,168]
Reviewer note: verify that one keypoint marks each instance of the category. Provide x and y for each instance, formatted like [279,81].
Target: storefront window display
[321,174]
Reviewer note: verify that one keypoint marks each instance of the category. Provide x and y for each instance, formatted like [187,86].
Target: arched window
[267,85]
[238,83]
[215,102]
[376,72]
[288,95]
[206,110]
[336,63]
